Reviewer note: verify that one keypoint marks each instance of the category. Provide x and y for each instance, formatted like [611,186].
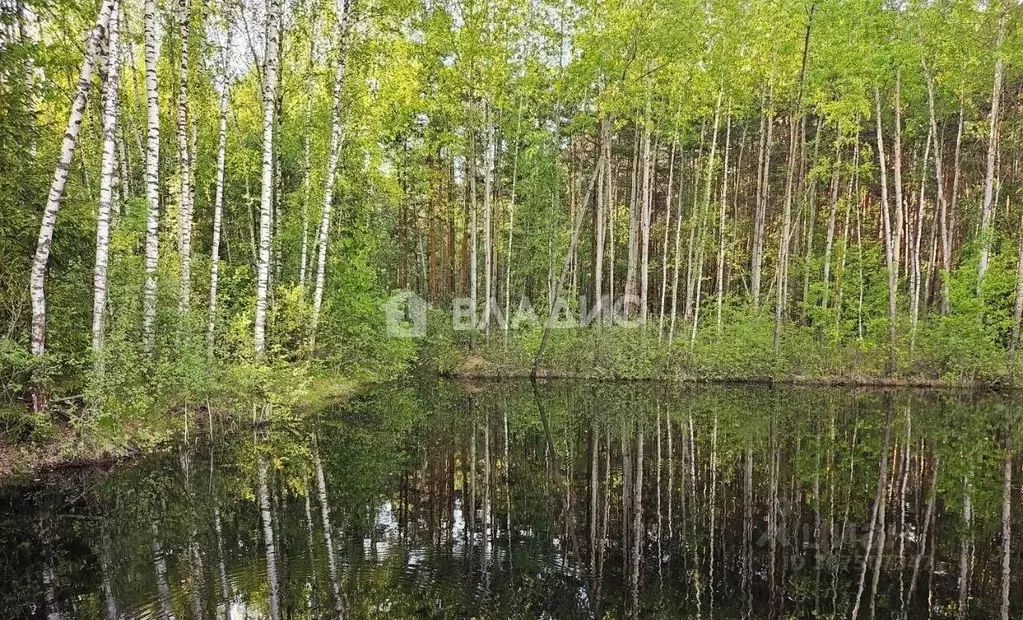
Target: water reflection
[572,500]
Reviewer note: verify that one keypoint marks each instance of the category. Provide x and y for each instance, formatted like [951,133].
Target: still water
[571,500]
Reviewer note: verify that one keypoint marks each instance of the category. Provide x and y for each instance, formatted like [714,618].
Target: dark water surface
[576,500]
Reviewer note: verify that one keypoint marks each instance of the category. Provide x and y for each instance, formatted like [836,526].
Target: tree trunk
[511,231]
[1017,308]
[897,175]
[1007,521]
[667,229]
[875,512]
[992,151]
[889,250]
[185,163]
[946,246]
[106,187]
[218,200]
[328,183]
[830,239]
[918,229]
[564,268]
[152,181]
[37,279]
[644,288]
[303,264]
[488,208]
[328,535]
[676,260]
[721,223]
[266,517]
[473,223]
[763,191]
[782,287]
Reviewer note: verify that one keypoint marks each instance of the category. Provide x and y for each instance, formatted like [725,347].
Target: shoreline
[838,381]
[75,450]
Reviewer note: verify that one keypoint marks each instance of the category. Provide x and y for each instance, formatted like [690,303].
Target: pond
[441,499]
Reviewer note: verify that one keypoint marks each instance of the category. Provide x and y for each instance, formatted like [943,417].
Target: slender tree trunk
[721,222]
[992,151]
[634,217]
[1007,521]
[677,258]
[667,229]
[928,520]
[473,223]
[37,279]
[1017,308]
[763,191]
[953,201]
[185,163]
[511,233]
[340,609]
[600,210]
[565,267]
[488,208]
[267,182]
[696,215]
[644,266]
[704,213]
[303,264]
[875,512]
[782,287]
[965,550]
[946,245]
[918,229]
[889,250]
[218,200]
[897,174]
[333,154]
[152,181]
[830,239]
[266,517]
[106,187]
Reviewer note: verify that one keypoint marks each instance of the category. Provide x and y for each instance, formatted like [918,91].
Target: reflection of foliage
[404,448]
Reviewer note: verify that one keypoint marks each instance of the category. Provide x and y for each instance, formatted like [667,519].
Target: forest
[203,201]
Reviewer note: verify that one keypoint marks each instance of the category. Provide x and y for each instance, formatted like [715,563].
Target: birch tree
[992,152]
[333,152]
[185,162]
[152,176]
[266,189]
[106,189]
[56,193]
[218,194]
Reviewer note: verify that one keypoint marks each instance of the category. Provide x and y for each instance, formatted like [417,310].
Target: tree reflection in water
[568,499]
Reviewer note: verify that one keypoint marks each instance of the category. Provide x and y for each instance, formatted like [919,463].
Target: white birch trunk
[106,191]
[897,174]
[218,199]
[74,125]
[992,151]
[266,189]
[488,207]
[185,162]
[328,184]
[644,278]
[152,181]
[306,164]
[721,223]
[915,274]
[946,246]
